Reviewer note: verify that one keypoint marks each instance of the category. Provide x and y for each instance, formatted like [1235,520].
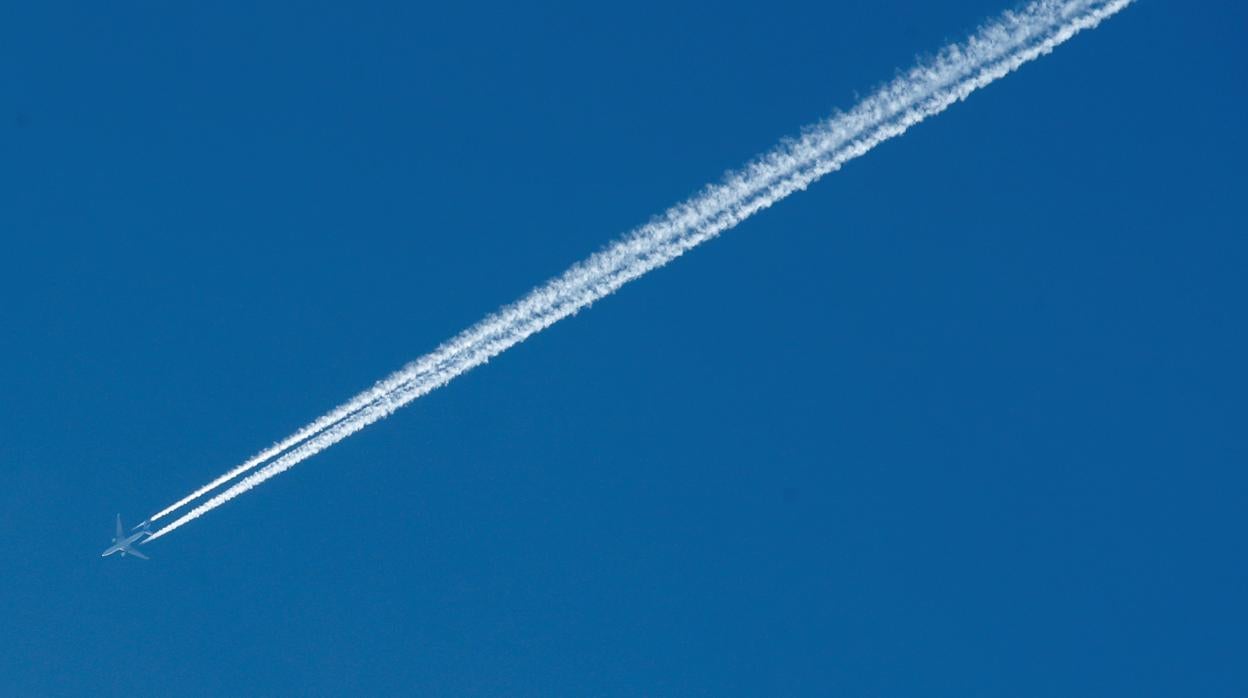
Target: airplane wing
[132,551]
[120,535]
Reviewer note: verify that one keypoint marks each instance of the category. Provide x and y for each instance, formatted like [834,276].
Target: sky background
[964,419]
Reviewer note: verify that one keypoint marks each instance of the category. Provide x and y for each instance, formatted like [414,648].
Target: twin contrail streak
[994,51]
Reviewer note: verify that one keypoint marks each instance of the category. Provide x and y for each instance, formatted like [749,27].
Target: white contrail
[994,51]
[983,48]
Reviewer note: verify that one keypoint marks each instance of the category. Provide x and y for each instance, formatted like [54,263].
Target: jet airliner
[124,544]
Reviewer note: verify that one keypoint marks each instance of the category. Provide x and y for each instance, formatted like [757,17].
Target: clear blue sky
[966,418]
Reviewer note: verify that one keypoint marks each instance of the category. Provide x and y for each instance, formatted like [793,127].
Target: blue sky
[965,418]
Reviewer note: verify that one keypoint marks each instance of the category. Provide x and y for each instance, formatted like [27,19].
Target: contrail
[995,50]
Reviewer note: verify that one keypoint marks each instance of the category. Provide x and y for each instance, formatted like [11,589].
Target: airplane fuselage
[122,546]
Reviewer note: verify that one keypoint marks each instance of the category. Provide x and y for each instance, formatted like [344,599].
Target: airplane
[124,544]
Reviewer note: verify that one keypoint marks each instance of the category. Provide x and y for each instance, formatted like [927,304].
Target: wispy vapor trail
[994,51]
